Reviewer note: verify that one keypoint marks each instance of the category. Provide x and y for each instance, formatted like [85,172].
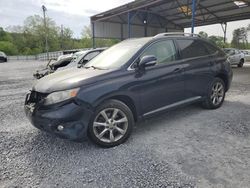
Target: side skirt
[174,105]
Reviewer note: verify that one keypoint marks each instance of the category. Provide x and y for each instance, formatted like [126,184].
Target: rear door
[233,57]
[237,56]
[197,66]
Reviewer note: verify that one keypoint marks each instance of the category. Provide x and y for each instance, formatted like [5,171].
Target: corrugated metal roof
[175,13]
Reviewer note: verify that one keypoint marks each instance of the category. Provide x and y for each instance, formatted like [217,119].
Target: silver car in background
[247,55]
[235,56]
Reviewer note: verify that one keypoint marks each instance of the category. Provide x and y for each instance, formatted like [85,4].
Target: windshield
[117,55]
[228,51]
[75,61]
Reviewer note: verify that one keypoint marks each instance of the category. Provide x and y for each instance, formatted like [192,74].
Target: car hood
[68,79]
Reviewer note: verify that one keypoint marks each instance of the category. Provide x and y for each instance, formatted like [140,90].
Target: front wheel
[216,94]
[111,124]
[241,63]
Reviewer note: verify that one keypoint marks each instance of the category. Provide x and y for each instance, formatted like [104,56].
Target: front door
[162,84]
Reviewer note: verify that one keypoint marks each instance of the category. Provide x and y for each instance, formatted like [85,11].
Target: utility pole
[62,37]
[46,31]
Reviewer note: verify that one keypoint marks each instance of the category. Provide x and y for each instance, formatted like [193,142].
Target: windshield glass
[117,55]
[228,51]
[74,62]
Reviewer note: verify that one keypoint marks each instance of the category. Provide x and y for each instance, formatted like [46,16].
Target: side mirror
[147,61]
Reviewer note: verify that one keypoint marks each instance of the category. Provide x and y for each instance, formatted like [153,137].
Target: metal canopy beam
[224,28]
[193,15]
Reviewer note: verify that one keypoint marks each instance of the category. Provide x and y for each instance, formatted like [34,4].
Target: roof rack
[176,34]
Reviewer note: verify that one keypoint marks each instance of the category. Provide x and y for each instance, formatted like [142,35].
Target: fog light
[60,128]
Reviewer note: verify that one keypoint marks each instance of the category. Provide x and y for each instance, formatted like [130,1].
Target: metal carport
[149,17]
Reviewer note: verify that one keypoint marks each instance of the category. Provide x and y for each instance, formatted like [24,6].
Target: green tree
[203,34]
[35,29]
[86,32]
[217,40]
[66,41]
[240,38]
[5,36]
[8,47]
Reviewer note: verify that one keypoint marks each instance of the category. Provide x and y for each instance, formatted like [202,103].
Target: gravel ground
[187,147]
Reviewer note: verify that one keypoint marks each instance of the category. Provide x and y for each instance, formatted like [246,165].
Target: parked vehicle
[80,59]
[235,56]
[53,65]
[247,55]
[130,81]
[3,57]
[66,61]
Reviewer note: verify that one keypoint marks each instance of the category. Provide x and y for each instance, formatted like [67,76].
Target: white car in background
[235,56]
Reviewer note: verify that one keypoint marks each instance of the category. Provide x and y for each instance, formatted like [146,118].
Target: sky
[75,14]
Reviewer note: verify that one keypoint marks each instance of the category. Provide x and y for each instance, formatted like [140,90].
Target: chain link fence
[41,57]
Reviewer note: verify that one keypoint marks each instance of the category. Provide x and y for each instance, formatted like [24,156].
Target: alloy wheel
[217,94]
[110,125]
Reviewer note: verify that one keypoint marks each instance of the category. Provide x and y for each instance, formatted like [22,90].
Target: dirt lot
[188,147]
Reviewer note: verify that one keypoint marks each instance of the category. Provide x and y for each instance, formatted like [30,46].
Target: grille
[35,97]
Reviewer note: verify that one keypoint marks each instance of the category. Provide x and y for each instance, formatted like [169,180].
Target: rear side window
[191,48]
[212,50]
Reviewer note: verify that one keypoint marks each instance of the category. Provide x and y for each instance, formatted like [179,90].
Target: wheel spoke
[214,100]
[217,86]
[103,113]
[220,94]
[122,120]
[114,113]
[120,130]
[217,99]
[99,124]
[220,88]
[213,88]
[111,136]
[102,133]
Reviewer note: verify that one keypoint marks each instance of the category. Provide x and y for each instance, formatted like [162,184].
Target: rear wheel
[111,124]
[216,94]
[241,63]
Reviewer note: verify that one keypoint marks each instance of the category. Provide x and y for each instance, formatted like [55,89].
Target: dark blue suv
[132,80]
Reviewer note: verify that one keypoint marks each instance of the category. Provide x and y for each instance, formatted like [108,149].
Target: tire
[112,117]
[241,63]
[215,96]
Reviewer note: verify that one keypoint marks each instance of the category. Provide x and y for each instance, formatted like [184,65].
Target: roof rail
[176,34]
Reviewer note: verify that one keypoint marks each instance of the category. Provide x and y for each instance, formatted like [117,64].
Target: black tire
[106,107]
[241,63]
[209,99]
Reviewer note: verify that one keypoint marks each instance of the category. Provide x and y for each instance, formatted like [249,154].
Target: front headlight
[60,96]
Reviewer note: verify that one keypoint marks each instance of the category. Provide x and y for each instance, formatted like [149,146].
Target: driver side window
[164,51]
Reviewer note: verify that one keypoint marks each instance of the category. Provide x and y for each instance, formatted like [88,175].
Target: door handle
[177,70]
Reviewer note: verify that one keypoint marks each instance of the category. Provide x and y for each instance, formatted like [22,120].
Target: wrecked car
[68,61]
